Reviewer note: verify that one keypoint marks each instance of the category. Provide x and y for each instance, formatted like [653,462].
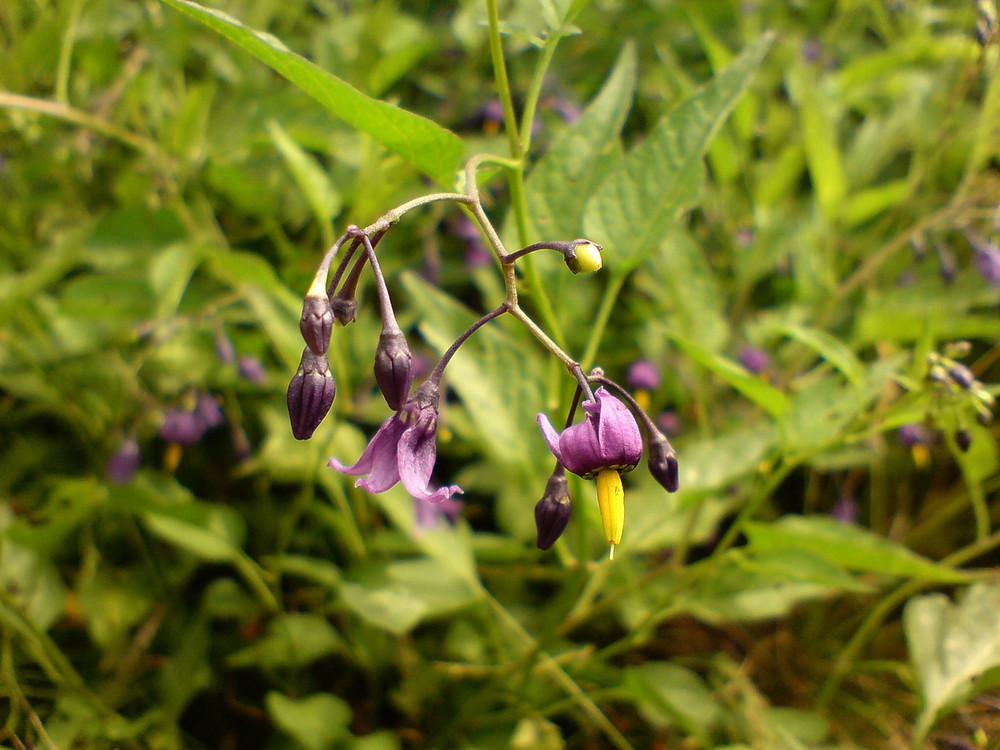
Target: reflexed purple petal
[417,452]
[428,514]
[550,435]
[617,432]
[380,453]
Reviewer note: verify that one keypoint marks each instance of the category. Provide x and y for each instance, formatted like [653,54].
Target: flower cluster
[404,448]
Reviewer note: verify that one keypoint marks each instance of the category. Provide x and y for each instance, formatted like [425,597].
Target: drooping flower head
[404,450]
[603,446]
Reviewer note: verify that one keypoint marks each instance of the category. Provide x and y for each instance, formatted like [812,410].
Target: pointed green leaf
[765,396]
[644,194]
[316,721]
[435,151]
[323,199]
[849,546]
[562,182]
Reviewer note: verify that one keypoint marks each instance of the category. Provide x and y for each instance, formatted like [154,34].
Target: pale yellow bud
[586,258]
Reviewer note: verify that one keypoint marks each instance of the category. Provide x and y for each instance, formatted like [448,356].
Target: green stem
[66,52]
[614,286]
[535,90]
[503,83]
[552,667]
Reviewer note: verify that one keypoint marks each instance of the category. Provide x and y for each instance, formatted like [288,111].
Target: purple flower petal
[379,457]
[417,453]
[550,435]
[617,432]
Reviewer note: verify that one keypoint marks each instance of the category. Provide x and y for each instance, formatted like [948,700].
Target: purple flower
[608,438]
[845,509]
[988,264]
[643,375]
[404,450]
[669,422]
[208,411]
[182,426]
[429,514]
[753,359]
[602,446]
[124,462]
[912,434]
[252,369]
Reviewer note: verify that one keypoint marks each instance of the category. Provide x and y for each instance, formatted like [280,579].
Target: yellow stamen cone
[611,501]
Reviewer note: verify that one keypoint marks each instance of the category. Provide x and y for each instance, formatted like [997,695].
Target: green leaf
[645,193]
[766,396]
[954,647]
[564,179]
[397,596]
[819,134]
[291,640]
[831,349]
[670,694]
[435,151]
[308,174]
[849,546]
[316,721]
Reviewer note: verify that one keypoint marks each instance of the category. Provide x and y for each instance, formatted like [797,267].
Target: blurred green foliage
[165,196]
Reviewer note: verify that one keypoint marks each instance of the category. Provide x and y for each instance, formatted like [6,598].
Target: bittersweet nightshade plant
[404,448]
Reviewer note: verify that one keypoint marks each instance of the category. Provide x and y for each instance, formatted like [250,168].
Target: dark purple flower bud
[207,409]
[224,349]
[643,375]
[345,309]
[316,322]
[182,426]
[252,369]
[608,438]
[124,462]
[310,394]
[845,509]
[912,434]
[394,367]
[963,439]
[662,462]
[962,376]
[552,512]
[754,360]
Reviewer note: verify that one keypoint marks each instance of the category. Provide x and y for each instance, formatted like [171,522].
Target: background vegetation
[822,579]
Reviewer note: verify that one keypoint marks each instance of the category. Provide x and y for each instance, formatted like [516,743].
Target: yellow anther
[611,501]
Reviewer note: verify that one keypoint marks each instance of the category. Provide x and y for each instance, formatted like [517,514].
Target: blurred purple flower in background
[669,422]
[643,375]
[754,359]
[252,369]
[124,462]
[845,509]
[430,513]
[913,434]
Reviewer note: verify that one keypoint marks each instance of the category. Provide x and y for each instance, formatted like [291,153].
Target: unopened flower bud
[345,309]
[584,257]
[316,322]
[962,376]
[963,438]
[552,512]
[393,367]
[310,394]
[662,462]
